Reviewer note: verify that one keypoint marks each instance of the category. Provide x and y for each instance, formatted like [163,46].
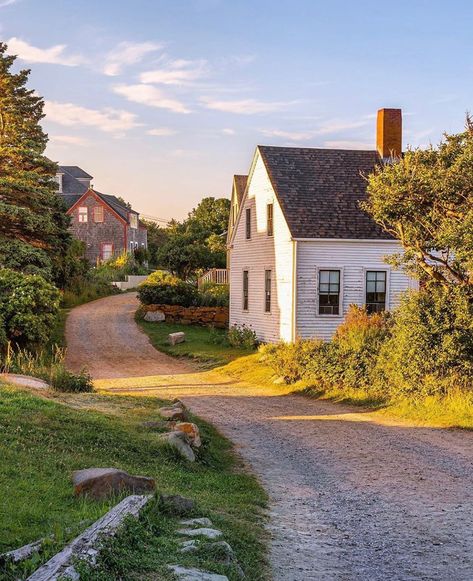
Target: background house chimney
[389,133]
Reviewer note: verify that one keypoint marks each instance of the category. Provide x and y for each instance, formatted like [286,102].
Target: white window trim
[82,214]
[385,269]
[271,269]
[342,305]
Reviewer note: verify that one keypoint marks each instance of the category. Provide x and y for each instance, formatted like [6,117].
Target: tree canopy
[33,222]
[425,199]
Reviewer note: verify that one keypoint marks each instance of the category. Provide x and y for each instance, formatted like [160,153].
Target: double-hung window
[107,250]
[269,219]
[267,291]
[329,292]
[248,223]
[245,290]
[98,214]
[376,291]
[82,214]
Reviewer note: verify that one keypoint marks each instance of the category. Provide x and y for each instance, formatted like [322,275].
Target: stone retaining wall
[205,316]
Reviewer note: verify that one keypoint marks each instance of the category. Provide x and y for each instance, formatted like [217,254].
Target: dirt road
[351,498]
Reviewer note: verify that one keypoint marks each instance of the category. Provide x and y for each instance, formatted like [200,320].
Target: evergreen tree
[32,215]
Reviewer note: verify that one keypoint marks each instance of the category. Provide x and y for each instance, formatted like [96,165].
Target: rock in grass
[201,532]
[190,574]
[176,505]
[24,380]
[159,425]
[197,522]
[189,546]
[173,413]
[177,403]
[155,316]
[179,441]
[191,431]
[99,483]
[175,338]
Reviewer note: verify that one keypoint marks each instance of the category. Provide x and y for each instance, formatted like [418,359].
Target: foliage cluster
[242,337]
[214,295]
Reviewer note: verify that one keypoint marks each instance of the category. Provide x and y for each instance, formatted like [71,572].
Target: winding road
[352,498]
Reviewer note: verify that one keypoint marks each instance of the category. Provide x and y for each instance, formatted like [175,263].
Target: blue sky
[163,101]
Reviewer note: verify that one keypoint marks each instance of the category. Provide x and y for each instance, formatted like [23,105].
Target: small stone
[189,546]
[173,413]
[178,441]
[175,338]
[159,425]
[176,505]
[191,431]
[194,522]
[100,483]
[177,403]
[155,316]
[202,532]
[190,574]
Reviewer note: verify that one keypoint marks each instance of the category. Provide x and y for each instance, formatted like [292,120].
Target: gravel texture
[351,498]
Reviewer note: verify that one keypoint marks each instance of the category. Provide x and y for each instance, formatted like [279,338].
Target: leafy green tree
[32,215]
[184,256]
[157,236]
[425,199]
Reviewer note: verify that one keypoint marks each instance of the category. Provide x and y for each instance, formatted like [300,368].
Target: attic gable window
[248,223]
[98,214]
[133,221]
[269,219]
[329,292]
[83,214]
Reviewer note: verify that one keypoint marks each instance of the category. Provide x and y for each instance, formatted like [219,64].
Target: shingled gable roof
[240,182]
[75,171]
[320,190]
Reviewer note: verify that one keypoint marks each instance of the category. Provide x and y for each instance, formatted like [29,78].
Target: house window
[269,219]
[83,214]
[248,223]
[98,214]
[245,290]
[267,291]
[329,292]
[107,250]
[133,221]
[375,291]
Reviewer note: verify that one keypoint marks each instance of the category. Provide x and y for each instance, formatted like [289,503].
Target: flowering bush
[242,336]
[162,288]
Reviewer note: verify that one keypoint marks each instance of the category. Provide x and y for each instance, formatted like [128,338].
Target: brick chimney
[389,133]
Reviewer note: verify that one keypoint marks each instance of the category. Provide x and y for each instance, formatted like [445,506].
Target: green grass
[207,346]
[43,440]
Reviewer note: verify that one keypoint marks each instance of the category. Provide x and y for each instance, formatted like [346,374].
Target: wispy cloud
[109,120]
[329,128]
[7,2]
[52,55]
[161,132]
[291,135]
[176,72]
[337,126]
[347,144]
[126,54]
[228,131]
[244,106]
[150,96]
[69,140]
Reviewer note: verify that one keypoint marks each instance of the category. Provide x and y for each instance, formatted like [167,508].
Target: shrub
[166,289]
[242,336]
[430,349]
[49,366]
[214,295]
[290,360]
[118,268]
[28,307]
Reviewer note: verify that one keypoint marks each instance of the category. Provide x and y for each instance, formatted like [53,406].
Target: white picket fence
[214,275]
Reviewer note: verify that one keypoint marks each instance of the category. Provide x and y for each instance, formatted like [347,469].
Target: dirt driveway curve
[351,499]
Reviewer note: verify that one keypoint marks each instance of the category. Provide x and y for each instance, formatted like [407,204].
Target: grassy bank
[452,411]
[43,440]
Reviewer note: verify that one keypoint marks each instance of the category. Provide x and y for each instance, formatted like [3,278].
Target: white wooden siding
[353,258]
[260,253]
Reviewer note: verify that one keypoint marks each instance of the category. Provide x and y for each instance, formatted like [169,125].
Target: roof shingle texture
[320,191]
[240,186]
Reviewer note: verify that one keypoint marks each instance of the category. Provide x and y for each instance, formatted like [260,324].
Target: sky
[162,101]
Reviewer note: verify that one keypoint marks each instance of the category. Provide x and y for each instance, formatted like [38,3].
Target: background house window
[267,291]
[269,219]
[83,214]
[329,292]
[107,250]
[375,291]
[133,221]
[245,290]
[248,223]
[98,214]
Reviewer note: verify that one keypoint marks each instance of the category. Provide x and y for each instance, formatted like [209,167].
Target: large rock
[100,483]
[175,338]
[155,316]
[191,431]
[190,574]
[197,522]
[24,380]
[179,441]
[201,532]
[173,413]
[176,505]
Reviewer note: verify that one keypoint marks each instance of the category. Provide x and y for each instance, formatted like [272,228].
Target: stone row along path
[351,498]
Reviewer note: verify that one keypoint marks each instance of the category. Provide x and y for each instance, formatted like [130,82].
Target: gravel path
[351,498]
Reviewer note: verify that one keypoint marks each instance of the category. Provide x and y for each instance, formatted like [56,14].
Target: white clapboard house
[301,250]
